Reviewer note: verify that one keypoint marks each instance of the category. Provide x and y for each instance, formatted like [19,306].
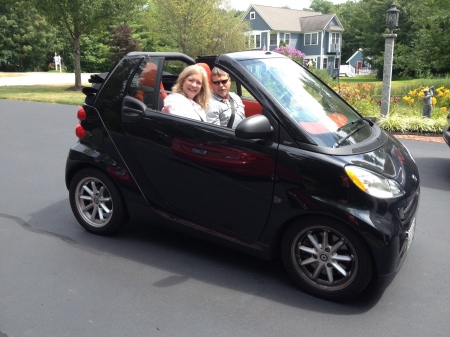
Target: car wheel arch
[276,243]
[114,196]
[335,266]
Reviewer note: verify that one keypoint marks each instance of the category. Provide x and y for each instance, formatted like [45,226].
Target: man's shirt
[219,110]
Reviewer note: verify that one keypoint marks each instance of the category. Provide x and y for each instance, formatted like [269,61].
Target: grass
[60,94]
[9,74]
[359,79]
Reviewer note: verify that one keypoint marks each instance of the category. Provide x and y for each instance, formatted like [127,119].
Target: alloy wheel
[93,202]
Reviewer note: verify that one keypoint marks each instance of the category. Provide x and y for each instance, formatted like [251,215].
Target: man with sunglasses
[225,107]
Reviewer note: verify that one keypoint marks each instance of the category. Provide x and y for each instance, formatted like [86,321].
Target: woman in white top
[191,94]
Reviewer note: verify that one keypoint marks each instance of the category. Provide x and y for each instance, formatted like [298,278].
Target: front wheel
[326,259]
[96,202]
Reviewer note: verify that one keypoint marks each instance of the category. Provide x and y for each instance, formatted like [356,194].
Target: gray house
[317,35]
[360,62]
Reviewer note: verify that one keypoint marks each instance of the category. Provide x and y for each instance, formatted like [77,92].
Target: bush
[398,123]
[291,52]
[405,112]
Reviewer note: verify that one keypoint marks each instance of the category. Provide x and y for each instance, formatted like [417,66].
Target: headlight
[373,183]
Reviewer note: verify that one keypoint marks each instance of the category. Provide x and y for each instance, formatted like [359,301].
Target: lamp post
[392,15]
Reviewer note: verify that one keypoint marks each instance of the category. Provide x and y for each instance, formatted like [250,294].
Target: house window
[325,63]
[255,41]
[287,39]
[311,39]
[336,63]
[252,15]
[273,39]
[335,42]
[335,38]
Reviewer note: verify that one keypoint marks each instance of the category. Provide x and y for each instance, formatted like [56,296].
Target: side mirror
[254,127]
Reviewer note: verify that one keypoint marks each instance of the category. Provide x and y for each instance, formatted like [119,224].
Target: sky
[294,4]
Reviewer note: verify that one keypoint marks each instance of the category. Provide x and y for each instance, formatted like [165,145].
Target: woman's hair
[204,95]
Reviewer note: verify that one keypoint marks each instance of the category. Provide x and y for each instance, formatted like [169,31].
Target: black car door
[197,171]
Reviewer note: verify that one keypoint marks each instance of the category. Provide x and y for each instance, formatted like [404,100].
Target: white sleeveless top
[180,105]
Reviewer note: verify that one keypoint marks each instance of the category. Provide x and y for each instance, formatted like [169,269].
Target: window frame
[336,62]
[311,39]
[335,39]
[252,15]
[287,41]
[276,39]
[254,39]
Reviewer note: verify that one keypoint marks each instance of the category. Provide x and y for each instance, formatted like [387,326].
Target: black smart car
[304,175]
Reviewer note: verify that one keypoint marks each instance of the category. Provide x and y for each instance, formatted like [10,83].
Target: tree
[353,17]
[81,17]
[27,42]
[122,42]
[324,6]
[199,26]
[430,22]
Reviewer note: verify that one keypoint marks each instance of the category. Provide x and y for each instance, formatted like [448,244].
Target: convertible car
[304,176]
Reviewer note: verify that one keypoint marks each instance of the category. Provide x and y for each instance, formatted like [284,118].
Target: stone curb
[435,139]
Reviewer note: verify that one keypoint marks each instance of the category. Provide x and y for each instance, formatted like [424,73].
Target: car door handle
[131,111]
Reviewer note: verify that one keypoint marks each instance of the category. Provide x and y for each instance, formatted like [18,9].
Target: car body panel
[446,131]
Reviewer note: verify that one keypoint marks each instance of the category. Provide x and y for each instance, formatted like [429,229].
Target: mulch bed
[426,137]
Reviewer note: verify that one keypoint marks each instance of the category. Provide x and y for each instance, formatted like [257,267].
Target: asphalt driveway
[58,280]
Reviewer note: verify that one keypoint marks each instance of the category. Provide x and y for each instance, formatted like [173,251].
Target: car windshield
[313,106]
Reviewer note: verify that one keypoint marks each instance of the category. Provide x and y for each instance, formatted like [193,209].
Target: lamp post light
[392,15]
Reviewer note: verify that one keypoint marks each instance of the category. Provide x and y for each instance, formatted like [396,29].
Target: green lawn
[359,79]
[61,94]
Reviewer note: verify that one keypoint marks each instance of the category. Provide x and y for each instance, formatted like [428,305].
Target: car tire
[326,259]
[96,202]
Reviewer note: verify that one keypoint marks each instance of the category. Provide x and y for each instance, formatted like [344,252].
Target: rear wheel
[96,202]
[326,259]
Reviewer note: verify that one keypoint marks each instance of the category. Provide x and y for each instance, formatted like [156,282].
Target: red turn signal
[80,131]
[81,114]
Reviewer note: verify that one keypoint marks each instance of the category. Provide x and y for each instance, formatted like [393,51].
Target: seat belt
[233,113]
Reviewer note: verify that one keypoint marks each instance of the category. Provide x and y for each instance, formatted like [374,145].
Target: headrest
[207,69]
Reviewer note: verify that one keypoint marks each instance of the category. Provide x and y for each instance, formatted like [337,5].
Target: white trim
[354,54]
[277,42]
[330,35]
[287,44]
[322,55]
[254,34]
[311,44]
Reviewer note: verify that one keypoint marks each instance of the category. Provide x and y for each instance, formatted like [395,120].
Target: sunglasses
[223,82]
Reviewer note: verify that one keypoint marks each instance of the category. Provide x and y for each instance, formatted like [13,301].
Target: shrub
[291,52]
[405,112]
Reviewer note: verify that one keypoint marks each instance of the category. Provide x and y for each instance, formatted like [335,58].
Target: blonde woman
[191,94]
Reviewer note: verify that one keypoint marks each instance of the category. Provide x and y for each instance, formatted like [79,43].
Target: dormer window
[252,15]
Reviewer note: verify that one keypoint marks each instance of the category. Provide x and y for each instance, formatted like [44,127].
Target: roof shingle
[284,19]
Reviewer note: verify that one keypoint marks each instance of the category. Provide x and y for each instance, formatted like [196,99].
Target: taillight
[80,132]
[81,114]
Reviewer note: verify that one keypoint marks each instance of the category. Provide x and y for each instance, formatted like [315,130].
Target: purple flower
[291,52]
